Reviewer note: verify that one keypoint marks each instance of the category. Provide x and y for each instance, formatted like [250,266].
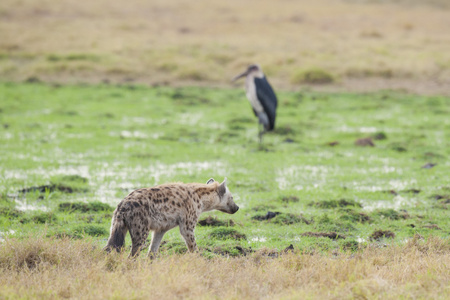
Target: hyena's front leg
[156,242]
[187,231]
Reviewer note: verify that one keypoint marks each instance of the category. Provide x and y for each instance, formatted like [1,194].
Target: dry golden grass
[45,268]
[361,44]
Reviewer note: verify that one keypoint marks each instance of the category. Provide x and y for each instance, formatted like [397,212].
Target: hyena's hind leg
[156,242]
[138,238]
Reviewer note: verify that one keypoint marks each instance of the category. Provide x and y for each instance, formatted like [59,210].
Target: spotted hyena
[163,207]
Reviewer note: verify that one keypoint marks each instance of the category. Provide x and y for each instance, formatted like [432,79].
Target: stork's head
[251,70]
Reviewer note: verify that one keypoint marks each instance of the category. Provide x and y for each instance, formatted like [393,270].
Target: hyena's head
[225,203]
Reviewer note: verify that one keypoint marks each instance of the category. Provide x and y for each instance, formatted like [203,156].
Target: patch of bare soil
[332,144]
[428,166]
[365,142]
[432,226]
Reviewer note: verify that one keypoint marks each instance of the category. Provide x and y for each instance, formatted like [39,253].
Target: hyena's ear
[223,187]
[211,180]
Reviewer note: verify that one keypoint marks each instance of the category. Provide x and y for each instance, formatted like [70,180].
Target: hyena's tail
[117,237]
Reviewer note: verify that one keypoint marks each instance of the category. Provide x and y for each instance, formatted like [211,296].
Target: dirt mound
[235,251]
[379,234]
[365,142]
[214,222]
[268,216]
[224,233]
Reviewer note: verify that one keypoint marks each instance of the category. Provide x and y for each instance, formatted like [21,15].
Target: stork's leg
[262,125]
[260,132]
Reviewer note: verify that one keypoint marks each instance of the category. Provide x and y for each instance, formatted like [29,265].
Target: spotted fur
[163,207]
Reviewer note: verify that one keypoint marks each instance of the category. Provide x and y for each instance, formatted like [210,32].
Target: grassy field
[365,218]
[343,45]
[349,197]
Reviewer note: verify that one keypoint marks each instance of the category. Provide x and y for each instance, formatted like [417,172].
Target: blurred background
[354,45]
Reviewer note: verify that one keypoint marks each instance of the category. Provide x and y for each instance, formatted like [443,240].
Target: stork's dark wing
[268,99]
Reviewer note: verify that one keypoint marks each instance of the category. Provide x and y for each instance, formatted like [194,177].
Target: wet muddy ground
[71,153]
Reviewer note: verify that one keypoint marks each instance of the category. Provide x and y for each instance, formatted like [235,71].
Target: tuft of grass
[312,76]
[74,57]
[350,245]
[90,229]
[398,146]
[10,212]
[379,136]
[291,198]
[65,184]
[214,222]
[284,130]
[335,203]
[224,233]
[231,250]
[192,74]
[354,216]
[330,235]
[173,247]
[391,214]
[288,219]
[94,206]
[40,218]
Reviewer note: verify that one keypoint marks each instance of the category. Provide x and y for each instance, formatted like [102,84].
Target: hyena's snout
[234,208]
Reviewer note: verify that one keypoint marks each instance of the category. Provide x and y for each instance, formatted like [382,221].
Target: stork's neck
[251,78]
[258,74]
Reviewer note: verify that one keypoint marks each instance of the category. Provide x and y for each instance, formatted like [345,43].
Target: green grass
[88,145]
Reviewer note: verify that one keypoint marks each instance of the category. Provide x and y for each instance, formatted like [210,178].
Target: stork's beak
[239,76]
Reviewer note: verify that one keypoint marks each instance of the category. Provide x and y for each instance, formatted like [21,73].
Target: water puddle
[394,184]
[312,177]
[397,203]
[261,239]
[190,119]
[360,240]
[130,121]
[131,134]
[348,129]
[23,205]
[110,179]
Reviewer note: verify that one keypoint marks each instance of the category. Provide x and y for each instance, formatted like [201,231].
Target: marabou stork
[261,97]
